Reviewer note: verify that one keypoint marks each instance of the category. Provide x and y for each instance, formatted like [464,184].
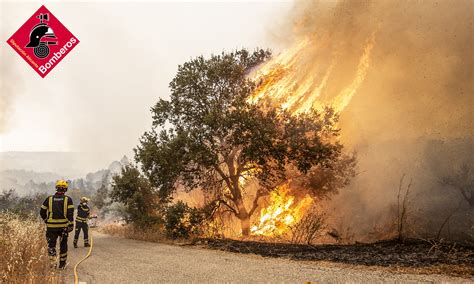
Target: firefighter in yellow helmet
[57,212]
[83,214]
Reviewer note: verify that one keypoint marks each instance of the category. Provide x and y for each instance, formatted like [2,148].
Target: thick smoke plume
[412,113]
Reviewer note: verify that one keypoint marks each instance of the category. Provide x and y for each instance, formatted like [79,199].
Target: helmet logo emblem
[43,41]
[41,36]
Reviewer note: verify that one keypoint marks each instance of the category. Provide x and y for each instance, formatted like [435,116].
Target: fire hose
[76,277]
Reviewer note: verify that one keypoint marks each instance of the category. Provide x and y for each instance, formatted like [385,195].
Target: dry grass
[308,229]
[23,250]
[130,232]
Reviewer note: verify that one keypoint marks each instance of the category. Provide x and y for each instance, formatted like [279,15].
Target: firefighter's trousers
[85,228]
[52,238]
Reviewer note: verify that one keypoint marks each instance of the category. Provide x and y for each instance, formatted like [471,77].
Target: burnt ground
[411,255]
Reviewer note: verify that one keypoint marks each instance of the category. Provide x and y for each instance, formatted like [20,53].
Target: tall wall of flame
[401,73]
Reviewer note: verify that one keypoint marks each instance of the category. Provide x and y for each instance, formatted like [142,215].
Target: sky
[97,100]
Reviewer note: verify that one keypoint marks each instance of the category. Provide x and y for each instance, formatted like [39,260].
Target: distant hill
[106,174]
[23,177]
[31,181]
[70,164]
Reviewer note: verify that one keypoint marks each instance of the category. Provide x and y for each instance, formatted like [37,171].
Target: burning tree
[210,136]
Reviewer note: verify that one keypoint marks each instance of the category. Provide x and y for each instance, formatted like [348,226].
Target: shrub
[182,221]
[152,234]
[20,205]
[308,228]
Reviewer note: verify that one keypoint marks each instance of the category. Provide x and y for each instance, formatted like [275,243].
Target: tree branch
[228,206]
[259,194]
[223,176]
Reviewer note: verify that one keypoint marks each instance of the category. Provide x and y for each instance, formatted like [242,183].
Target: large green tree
[209,136]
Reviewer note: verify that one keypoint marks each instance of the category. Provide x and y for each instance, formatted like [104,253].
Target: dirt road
[119,260]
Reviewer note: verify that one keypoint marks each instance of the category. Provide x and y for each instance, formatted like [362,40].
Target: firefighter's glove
[70,229]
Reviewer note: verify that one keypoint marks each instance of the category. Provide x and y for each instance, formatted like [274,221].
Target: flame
[290,82]
[281,214]
[283,82]
[344,98]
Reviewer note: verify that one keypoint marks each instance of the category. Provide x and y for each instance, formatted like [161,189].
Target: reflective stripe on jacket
[80,219]
[83,213]
[57,211]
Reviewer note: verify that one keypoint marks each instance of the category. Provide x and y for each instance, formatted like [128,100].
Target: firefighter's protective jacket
[58,212]
[83,213]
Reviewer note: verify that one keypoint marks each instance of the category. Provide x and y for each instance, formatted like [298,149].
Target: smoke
[97,99]
[7,76]
[4,101]
[412,113]
[7,94]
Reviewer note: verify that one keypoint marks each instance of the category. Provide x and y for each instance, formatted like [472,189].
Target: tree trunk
[245,225]
[244,217]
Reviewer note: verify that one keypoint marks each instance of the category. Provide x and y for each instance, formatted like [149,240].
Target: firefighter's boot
[62,264]
[75,244]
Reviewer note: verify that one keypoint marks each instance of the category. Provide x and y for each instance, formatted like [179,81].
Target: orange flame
[282,81]
[283,212]
[291,83]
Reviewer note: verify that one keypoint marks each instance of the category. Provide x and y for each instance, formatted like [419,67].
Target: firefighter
[83,214]
[57,212]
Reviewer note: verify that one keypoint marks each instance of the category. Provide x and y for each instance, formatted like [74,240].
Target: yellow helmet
[84,199]
[61,185]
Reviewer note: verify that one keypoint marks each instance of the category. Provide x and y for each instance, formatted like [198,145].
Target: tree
[209,136]
[100,197]
[137,194]
[21,205]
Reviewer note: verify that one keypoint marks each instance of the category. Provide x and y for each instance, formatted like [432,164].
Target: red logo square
[43,41]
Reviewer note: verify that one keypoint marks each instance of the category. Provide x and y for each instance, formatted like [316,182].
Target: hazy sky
[98,98]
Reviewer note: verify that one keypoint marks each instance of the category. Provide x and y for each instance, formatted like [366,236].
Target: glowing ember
[281,214]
